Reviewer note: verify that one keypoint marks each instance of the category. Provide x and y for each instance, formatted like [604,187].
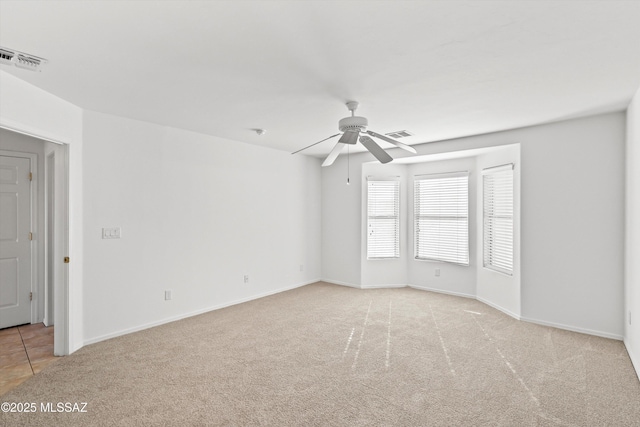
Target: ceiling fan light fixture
[353,124]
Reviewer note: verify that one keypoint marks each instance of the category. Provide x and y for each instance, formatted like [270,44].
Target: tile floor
[24,351]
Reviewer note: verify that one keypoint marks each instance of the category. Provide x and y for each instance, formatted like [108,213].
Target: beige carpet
[325,355]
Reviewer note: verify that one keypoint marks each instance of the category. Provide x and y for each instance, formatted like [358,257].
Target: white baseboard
[193,313]
[353,285]
[497,307]
[634,360]
[573,328]
[442,291]
[337,282]
[382,286]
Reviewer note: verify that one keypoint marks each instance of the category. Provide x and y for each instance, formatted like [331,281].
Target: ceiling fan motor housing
[353,124]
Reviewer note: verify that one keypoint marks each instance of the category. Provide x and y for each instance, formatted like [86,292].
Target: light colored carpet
[325,355]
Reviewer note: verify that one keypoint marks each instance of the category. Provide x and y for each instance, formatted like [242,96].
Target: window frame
[493,256]
[395,216]
[445,221]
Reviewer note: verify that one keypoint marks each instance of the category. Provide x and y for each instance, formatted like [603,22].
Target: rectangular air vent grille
[21,60]
[6,55]
[27,61]
[399,134]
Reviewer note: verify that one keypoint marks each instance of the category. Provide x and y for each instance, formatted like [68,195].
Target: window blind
[383,213]
[441,217]
[497,192]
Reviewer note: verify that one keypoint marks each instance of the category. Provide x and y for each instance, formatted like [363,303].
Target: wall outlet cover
[111,233]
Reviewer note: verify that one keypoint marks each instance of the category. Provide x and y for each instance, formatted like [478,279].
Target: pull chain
[348,164]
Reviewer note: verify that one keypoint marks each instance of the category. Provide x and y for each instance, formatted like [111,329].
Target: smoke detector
[20,59]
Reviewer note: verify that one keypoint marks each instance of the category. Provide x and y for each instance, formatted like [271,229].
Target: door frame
[49,233]
[36,286]
[61,250]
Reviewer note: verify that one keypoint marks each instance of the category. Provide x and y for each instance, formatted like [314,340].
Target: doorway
[50,229]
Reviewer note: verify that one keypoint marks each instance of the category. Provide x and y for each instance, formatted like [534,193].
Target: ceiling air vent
[399,134]
[20,59]
[5,55]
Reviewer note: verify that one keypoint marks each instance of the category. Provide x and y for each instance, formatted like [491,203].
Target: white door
[15,242]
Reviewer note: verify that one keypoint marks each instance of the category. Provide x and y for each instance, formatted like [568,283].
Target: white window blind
[383,213]
[497,184]
[441,205]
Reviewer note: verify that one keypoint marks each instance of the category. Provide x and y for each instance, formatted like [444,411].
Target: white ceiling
[437,69]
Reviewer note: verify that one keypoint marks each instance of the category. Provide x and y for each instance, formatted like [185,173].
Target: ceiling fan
[354,129]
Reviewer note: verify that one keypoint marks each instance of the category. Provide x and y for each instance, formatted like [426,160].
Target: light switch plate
[111,233]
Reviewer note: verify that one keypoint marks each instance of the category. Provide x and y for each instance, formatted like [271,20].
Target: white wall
[26,108]
[497,289]
[572,231]
[197,213]
[572,188]
[341,222]
[632,247]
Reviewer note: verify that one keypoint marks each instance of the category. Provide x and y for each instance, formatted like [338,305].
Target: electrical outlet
[437,272]
[246,278]
[301,267]
[167,295]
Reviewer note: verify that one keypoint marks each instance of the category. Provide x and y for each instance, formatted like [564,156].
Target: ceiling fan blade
[333,154]
[375,149]
[332,136]
[349,137]
[393,141]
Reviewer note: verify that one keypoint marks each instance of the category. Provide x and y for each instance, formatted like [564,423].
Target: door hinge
[30,176]
[66,260]
[30,235]
[30,296]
